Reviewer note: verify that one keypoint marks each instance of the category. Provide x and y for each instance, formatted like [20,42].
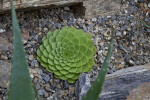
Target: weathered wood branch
[113,6]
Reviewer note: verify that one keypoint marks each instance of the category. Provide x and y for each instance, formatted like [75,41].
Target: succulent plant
[67,53]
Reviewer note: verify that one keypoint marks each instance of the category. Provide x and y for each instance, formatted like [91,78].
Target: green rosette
[67,53]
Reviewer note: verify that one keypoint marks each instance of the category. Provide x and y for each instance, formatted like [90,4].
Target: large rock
[4,73]
[119,84]
[93,7]
[83,84]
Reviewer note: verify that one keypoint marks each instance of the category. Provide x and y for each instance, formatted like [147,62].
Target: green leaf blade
[21,87]
[96,88]
[146,25]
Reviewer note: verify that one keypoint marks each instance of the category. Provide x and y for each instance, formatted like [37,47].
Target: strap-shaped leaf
[21,87]
[146,25]
[96,88]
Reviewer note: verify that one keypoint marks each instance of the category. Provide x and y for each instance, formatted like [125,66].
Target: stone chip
[5,68]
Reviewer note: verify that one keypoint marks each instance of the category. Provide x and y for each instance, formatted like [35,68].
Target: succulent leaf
[67,53]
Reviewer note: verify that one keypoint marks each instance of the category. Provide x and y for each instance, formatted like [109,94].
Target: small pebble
[41,92]
[1,30]
[40,72]
[118,33]
[66,8]
[66,84]
[46,78]
[46,94]
[58,25]
[31,57]
[94,19]
[148,5]
[147,19]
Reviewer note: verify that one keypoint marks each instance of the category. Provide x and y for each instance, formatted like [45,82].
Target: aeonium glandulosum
[67,53]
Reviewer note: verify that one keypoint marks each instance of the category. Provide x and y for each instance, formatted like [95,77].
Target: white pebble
[66,8]
[1,30]
[148,5]
[124,32]
[108,17]
[94,19]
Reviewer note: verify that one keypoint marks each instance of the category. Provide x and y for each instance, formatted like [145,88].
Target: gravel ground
[131,43]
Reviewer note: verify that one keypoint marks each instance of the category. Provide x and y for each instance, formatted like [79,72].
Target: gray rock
[118,84]
[66,84]
[129,18]
[114,69]
[58,25]
[41,92]
[5,68]
[46,94]
[149,5]
[40,72]
[147,19]
[91,26]
[46,78]
[127,57]
[41,81]
[132,9]
[100,20]
[82,85]
[148,30]
[40,40]
[113,17]
[69,23]
[122,48]
[85,28]
[110,71]
[55,98]
[124,27]
[118,33]
[34,63]
[66,8]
